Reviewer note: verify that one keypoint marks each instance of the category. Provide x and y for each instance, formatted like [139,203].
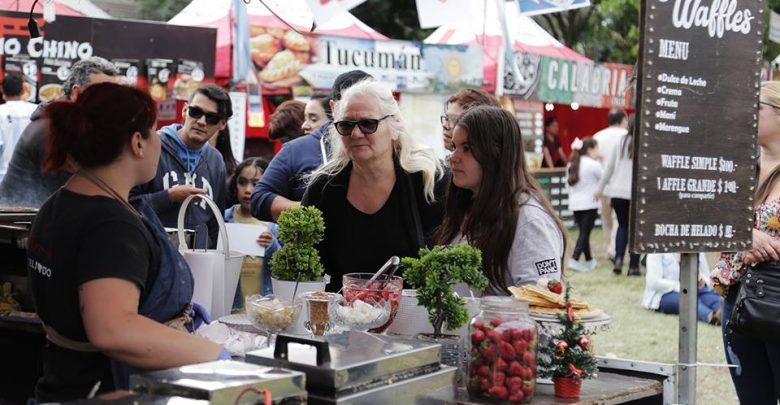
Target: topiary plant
[434,274]
[300,228]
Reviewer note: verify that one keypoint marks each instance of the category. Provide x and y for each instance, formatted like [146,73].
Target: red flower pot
[567,387]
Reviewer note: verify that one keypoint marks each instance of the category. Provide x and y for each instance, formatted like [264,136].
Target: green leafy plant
[300,229]
[569,352]
[434,274]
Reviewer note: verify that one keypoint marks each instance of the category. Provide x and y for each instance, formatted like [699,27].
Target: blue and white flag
[535,7]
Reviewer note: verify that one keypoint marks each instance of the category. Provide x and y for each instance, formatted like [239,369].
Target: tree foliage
[395,19]
[434,274]
[160,10]
[606,31]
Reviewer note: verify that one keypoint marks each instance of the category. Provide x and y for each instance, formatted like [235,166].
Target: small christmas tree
[568,353]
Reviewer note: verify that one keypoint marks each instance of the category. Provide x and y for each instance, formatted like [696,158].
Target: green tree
[771,49]
[395,19]
[607,31]
[160,10]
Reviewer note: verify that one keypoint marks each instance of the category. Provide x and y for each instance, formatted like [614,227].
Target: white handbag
[215,271]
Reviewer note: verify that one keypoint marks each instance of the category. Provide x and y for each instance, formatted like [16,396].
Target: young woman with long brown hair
[495,204]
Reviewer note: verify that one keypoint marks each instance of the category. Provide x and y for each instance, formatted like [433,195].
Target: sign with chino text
[695,139]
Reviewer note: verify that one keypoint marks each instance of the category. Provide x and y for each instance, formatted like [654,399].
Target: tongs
[387,270]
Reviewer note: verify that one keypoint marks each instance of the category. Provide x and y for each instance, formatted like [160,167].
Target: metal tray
[350,361]
[223,382]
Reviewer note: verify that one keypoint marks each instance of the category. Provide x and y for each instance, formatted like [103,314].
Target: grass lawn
[641,334]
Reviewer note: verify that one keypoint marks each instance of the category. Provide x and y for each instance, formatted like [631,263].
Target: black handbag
[756,310]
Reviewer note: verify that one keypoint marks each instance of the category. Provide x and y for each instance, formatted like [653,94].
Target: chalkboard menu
[695,140]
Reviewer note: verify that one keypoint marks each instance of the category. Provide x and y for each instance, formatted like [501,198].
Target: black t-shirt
[356,242]
[76,239]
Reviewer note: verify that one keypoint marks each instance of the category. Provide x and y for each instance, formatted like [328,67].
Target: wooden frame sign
[695,138]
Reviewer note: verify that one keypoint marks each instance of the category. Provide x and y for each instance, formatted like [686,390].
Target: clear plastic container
[502,352]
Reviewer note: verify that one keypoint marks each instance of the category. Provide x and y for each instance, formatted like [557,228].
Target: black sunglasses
[197,112]
[367,126]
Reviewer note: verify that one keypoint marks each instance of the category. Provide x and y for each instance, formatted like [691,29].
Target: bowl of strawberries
[359,286]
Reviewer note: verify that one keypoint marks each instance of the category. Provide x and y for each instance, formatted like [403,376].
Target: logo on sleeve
[548,266]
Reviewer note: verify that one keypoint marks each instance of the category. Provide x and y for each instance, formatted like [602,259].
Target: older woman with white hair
[378,193]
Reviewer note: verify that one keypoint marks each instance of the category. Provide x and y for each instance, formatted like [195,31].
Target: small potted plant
[568,356]
[433,275]
[298,261]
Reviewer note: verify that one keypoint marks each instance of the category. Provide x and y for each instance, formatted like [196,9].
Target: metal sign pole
[689,288]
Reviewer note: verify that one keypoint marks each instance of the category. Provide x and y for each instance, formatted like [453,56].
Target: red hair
[94,129]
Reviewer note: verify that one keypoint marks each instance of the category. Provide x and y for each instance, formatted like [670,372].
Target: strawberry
[484,384]
[479,325]
[483,371]
[520,346]
[515,384]
[528,359]
[494,336]
[528,389]
[517,398]
[495,322]
[477,337]
[488,352]
[528,373]
[498,392]
[506,351]
[517,334]
[555,286]
[501,365]
[515,369]
[499,378]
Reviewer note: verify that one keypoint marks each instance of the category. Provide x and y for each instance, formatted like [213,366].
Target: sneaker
[590,264]
[575,265]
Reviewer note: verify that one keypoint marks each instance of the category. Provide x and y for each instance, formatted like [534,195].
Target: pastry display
[295,42]
[543,301]
[263,47]
[283,65]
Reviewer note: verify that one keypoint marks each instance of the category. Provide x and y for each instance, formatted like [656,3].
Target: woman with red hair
[102,273]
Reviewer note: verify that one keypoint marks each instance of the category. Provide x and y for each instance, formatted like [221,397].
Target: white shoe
[590,264]
[575,265]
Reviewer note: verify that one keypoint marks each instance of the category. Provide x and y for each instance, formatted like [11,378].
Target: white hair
[412,155]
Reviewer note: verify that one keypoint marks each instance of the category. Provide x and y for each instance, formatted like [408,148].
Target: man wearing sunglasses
[189,165]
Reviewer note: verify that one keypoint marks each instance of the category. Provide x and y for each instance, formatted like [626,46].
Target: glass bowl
[272,314]
[356,286]
[360,314]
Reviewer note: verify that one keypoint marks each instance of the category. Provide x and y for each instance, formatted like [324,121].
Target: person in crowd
[607,140]
[221,143]
[583,175]
[14,117]
[25,182]
[662,287]
[283,184]
[495,204]
[756,371]
[378,192]
[255,276]
[287,121]
[616,184]
[103,275]
[316,113]
[460,103]
[551,146]
[190,166]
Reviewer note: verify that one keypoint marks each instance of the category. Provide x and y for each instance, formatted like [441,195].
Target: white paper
[237,125]
[435,13]
[243,238]
[325,10]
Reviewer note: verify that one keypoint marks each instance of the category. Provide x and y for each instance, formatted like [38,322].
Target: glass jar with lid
[502,361]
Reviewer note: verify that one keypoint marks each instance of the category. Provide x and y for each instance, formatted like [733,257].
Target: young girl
[583,176]
[494,203]
[255,277]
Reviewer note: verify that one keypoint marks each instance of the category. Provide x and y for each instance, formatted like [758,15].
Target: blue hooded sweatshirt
[204,169]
